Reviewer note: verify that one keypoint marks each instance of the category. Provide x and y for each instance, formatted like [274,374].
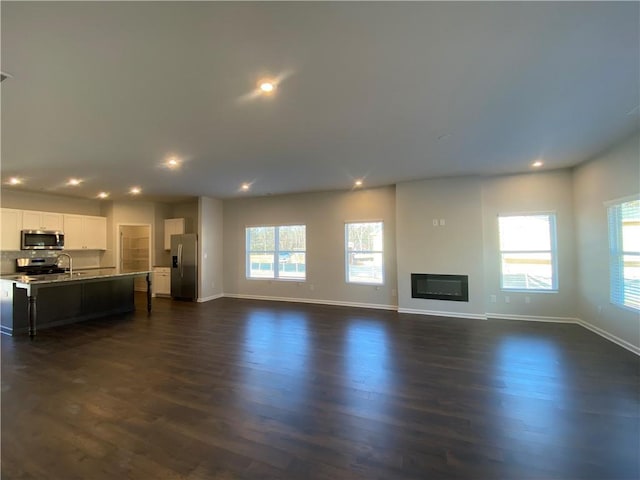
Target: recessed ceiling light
[444,136]
[267,86]
[135,190]
[358,183]
[173,162]
[537,164]
[15,181]
[103,195]
[74,182]
[245,187]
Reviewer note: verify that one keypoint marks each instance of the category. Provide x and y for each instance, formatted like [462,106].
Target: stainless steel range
[38,265]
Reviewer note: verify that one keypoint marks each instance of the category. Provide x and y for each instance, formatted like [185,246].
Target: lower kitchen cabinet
[162,281]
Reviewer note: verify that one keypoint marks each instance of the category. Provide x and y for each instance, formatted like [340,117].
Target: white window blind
[624,254]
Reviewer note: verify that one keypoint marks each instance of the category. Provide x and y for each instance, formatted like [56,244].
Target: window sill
[522,290]
[289,280]
[624,307]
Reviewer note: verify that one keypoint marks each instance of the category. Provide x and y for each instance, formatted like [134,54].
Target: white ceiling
[107,91]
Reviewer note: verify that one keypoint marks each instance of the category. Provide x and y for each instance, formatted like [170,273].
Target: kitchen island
[29,302]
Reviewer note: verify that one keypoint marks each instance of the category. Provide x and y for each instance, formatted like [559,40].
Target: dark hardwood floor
[238,389]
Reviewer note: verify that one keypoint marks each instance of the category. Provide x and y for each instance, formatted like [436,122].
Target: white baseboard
[313,300]
[609,336]
[209,298]
[532,318]
[438,313]
[597,330]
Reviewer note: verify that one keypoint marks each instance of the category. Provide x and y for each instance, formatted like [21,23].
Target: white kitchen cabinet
[172,226]
[161,281]
[11,226]
[96,232]
[82,232]
[33,220]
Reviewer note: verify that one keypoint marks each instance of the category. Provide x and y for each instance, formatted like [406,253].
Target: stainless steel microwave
[41,240]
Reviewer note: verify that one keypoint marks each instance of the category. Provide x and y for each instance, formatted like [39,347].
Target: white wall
[46,202]
[542,192]
[453,248]
[324,215]
[210,252]
[613,175]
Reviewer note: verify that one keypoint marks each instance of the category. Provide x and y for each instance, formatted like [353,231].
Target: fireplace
[440,287]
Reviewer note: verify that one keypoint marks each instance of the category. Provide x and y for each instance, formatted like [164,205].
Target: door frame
[119,242]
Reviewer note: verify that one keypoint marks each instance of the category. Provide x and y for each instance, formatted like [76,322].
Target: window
[287,244]
[364,253]
[528,252]
[624,253]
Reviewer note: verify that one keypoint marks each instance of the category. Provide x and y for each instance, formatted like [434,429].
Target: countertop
[89,274]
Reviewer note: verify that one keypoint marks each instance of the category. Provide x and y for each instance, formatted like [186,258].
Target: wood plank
[236,389]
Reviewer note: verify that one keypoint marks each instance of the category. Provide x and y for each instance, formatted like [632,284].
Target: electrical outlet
[507,299]
[527,299]
[442,222]
[435,222]
[493,299]
[311,287]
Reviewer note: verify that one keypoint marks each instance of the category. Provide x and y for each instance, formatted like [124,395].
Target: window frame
[617,252]
[553,244]
[347,252]
[276,253]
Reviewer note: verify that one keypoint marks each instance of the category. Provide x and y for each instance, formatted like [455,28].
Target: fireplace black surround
[440,287]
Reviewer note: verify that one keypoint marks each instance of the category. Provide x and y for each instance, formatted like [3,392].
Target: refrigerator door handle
[180,260]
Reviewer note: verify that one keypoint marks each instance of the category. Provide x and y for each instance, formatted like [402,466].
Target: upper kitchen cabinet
[32,220]
[83,232]
[172,226]
[11,226]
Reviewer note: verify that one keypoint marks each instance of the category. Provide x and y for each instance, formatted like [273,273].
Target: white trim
[609,336]
[375,306]
[530,318]
[438,313]
[617,201]
[210,297]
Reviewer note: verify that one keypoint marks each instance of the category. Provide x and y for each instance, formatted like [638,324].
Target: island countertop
[66,298]
[88,274]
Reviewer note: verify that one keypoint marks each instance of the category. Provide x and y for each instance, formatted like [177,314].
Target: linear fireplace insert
[440,287]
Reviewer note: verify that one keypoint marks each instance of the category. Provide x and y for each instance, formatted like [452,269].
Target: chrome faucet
[70,261]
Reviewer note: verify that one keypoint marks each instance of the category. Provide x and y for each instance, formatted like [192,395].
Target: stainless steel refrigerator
[184,266]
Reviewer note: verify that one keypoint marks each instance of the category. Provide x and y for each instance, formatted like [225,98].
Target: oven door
[42,240]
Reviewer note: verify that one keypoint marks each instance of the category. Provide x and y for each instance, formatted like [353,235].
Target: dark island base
[68,303]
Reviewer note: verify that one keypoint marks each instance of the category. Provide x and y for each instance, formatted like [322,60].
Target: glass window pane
[261,239]
[261,265]
[530,232]
[292,238]
[365,268]
[364,236]
[292,265]
[523,271]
